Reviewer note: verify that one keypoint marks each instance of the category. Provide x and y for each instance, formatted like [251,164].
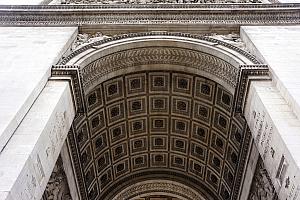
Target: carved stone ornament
[191,14]
[159,186]
[85,38]
[262,187]
[153,1]
[57,187]
[159,55]
[233,39]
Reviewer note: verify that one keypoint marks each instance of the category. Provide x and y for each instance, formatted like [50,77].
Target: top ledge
[220,6]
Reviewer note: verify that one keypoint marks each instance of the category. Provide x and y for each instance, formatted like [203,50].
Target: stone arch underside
[157,112]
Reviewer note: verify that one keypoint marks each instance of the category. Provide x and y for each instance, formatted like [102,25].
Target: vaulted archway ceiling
[159,114]
[160,125]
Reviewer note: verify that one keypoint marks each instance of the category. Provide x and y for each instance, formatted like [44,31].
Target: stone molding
[152,1]
[161,186]
[73,75]
[205,14]
[246,75]
[182,36]
[159,55]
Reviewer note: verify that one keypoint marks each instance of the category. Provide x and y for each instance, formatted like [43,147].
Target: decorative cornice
[206,14]
[72,2]
[76,86]
[246,75]
[249,56]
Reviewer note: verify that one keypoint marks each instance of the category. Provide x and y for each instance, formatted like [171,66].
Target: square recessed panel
[202,112]
[224,99]
[228,176]
[100,142]
[86,157]
[221,123]
[198,151]
[204,89]
[94,99]
[236,135]
[159,143]
[136,107]
[115,112]
[232,157]
[180,127]
[218,143]
[215,162]
[139,145]
[159,104]
[82,135]
[225,192]
[139,162]
[159,124]
[93,192]
[178,162]
[212,179]
[136,84]
[102,162]
[159,159]
[89,176]
[182,84]
[121,168]
[197,168]
[119,151]
[97,122]
[113,89]
[181,106]
[118,132]
[200,133]
[179,145]
[159,82]
[105,179]
[138,126]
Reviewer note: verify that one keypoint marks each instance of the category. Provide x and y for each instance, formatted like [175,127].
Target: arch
[159,187]
[201,55]
[193,78]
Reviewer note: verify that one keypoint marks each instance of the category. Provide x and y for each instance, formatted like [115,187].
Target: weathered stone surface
[153,1]
[275,129]
[27,160]
[279,48]
[23,2]
[57,187]
[262,187]
[27,54]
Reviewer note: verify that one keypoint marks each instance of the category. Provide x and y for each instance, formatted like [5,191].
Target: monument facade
[150,99]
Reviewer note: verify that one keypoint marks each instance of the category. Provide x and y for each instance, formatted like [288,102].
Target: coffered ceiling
[159,125]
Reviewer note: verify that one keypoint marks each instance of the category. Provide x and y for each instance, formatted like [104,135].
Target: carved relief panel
[57,187]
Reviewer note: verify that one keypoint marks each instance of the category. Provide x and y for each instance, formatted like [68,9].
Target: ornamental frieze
[145,14]
[159,55]
[153,1]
